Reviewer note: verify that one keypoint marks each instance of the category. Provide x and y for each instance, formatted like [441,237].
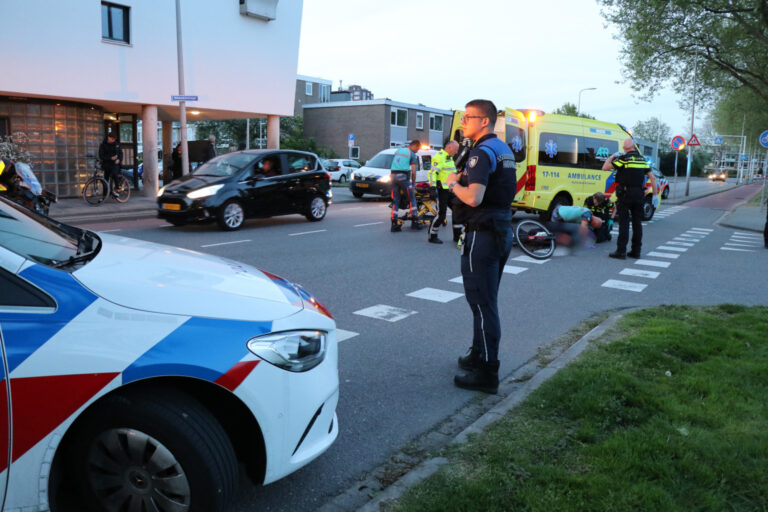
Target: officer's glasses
[464,118]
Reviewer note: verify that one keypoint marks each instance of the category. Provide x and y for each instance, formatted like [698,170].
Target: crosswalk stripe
[511,269]
[685,244]
[342,335]
[528,259]
[650,274]
[670,248]
[735,249]
[652,263]
[624,285]
[742,245]
[668,255]
[705,230]
[384,312]
[744,233]
[435,295]
[459,280]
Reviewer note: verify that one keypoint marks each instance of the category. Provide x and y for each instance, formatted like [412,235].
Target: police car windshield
[35,237]
[381,161]
[224,165]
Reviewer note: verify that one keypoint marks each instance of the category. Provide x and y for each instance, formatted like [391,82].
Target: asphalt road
[396,377]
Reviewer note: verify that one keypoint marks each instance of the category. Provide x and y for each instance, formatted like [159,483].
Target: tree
[740,108]
[653,130]
[14,148]
[662,39]
[292,137]
[569,109]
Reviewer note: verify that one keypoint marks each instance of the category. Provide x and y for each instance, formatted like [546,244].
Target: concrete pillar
[273,132]
[167,150]
[149,141]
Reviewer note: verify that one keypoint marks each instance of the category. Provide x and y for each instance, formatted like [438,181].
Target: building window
[399,117]
[419,121]
[308,88]
[115,22]
[436,123]
[354,152]
[325,93]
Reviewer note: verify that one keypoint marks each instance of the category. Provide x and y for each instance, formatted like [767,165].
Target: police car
[137,376]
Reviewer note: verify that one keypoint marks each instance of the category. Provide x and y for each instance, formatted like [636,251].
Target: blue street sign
[764,139]
[678,142]
[744,157]
[351,137]
[718,141]
[183,98]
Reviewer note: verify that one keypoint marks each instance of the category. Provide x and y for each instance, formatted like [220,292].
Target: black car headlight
[295,351]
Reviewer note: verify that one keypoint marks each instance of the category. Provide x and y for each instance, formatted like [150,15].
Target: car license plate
[362,185]
[171,206]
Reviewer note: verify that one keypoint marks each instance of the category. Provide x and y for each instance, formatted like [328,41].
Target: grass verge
[672,414]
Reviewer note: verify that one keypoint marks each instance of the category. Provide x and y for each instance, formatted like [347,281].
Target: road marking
[704,230]
[307,232]
[680,243]
[528,259]
[685,239]
[650,274]
[459,280]
[653,263]
[342,335]
[624,285]
[746,238]
[369,224]
[511,269]
[384,312]
[743,233]
[435,295]
[668,255]
[669,248]
[735,249]
[347,209]
[742,245]
[226,243]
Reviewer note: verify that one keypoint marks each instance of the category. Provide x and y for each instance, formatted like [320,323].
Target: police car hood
[164,279]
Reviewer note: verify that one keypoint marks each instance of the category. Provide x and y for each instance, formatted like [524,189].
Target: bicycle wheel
[95,191]
[122,189]
[534,239]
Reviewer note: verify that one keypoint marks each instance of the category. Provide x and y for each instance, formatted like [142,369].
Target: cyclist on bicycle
[563,223]
[111,154]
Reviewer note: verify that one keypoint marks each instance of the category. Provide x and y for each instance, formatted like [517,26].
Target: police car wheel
[342,179]
[231,215]
[146,453]
[665,194]
[317,209]
[648,209]
[357,194]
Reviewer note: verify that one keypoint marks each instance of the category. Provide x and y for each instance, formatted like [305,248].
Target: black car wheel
[357,194]
[148,453]
[317,209]
[342,179]
[231,215]
[665,194]
[648,209]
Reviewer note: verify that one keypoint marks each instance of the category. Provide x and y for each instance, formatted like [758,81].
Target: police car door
[5,417]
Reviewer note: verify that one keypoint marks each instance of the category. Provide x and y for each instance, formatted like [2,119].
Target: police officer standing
[111,154]
[442,166]
[631,170]
[403,172]
[484,191]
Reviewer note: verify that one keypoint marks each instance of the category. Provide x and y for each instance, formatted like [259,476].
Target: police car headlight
[204,192]
[295,351]
[160,192]
[385,179]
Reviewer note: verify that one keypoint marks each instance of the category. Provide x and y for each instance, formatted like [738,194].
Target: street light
[578,108]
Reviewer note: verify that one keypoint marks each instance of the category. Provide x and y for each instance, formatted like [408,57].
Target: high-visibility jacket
[442,166]
[631,169]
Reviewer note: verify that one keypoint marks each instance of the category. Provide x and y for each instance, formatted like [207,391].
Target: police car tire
[357,194]
[182,425]
[648,209]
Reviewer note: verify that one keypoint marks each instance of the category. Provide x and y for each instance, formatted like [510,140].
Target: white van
[374,177]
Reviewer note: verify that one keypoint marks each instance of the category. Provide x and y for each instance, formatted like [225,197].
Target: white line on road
[342,335]
[685,239]
[667,255]
[653,263]
[742,238]
[703,230]
[435,295]
[742,245]
[511,269]
[226,243]
[528,259]
[307,232]
[680,243]
[624,285]
[650,274]
[384,312]
[670,248]
[735,249]
[743,233]
[459,280]
[368,224]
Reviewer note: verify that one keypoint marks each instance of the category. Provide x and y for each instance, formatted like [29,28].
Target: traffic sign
[718,141]
[351,139]
[764,139]
[183,98]
[678,142]
[694,141]
[744,157]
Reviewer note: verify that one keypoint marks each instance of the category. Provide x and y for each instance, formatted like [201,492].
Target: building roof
[374,102]
[314,79]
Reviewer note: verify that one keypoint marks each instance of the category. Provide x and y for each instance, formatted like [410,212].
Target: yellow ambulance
[560,158]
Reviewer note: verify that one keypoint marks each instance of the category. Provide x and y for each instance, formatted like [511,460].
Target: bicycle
[98,188]
[534,239]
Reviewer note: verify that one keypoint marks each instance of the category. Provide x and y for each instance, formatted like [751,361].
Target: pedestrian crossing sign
[694,141]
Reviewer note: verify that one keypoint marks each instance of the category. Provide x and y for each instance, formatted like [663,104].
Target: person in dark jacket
[111,154]
[176,172]
[210,148]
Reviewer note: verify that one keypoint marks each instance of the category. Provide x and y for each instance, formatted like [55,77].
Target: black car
[259,183]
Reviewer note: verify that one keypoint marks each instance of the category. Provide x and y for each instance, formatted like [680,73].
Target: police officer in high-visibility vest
[631,170]
[442,166]
[484,192]
[403,172]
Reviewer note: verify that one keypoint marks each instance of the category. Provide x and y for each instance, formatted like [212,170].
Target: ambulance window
[594,152]
[426,161]
[515,139]
[559,149]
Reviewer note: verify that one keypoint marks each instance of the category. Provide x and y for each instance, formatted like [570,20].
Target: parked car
[374,177]
[661,182]
[142,375]
[340,169]
[720,175]
[243,184]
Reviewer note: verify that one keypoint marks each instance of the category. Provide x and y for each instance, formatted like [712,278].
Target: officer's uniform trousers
[630,205]
[443,202]
[482,264]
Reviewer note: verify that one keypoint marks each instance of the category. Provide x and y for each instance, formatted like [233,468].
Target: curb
[723,220]
[517,387]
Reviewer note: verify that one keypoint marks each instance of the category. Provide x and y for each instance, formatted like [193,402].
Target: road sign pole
[182,104]
[690,148]
[674,181]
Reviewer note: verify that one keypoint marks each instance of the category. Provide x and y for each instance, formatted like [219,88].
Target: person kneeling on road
[563,223]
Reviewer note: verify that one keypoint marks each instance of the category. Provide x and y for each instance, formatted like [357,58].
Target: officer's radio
[462,154]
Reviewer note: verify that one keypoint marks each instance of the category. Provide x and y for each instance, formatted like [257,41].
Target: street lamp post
[578,107]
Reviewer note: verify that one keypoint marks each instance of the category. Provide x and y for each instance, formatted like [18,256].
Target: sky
[443,53]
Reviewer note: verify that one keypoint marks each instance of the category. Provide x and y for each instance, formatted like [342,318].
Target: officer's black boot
[416,225]
[485,379]
[618,255]
[395,227]
[471,361]
[433,239]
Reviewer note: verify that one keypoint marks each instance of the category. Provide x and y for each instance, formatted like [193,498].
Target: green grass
[672,414]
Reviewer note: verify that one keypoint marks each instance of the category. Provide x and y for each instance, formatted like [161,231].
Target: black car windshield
[224,165]
[38,238]
[381,161]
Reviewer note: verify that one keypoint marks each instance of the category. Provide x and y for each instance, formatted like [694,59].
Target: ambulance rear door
[515,133]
